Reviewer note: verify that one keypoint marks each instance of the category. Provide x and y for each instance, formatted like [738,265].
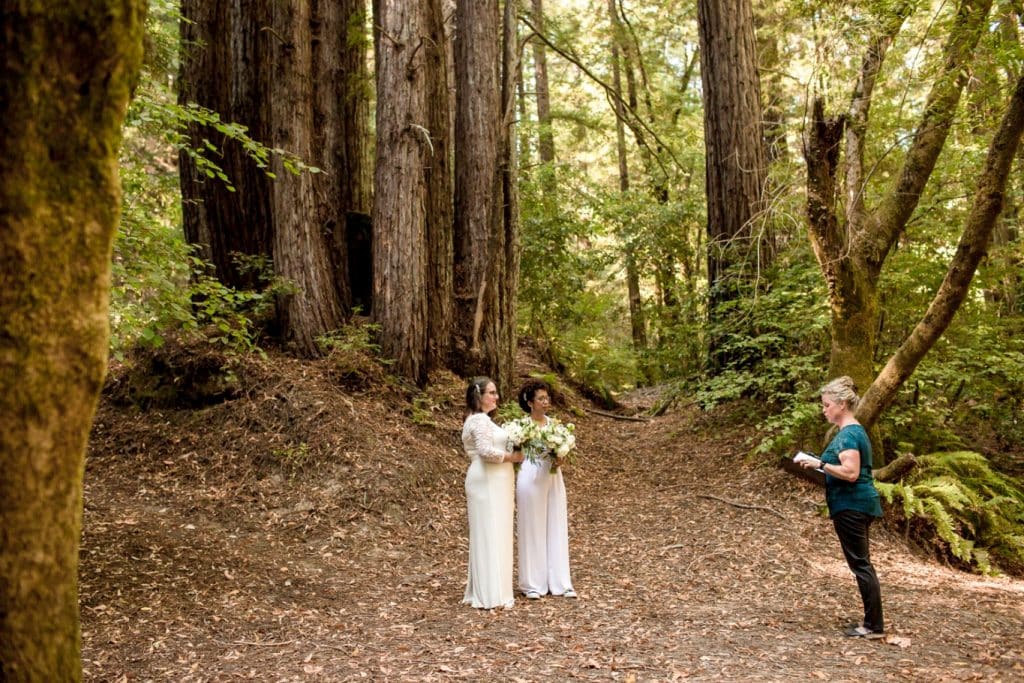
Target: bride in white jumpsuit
[542,519]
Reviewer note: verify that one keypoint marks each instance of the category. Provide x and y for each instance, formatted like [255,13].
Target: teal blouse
[859,495]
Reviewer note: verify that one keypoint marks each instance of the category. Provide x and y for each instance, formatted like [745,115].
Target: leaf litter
[308,531]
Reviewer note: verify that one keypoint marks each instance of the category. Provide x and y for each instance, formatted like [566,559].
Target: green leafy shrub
[353,354]
[159,287]
[775,342]
[958,505]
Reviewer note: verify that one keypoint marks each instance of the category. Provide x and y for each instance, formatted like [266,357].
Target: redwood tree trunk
[735,162]
[409,46]
[221,74]
[440,189]
[508,292]
[293,72]
[341,128]
[65,80]
[294,104]
[483,240]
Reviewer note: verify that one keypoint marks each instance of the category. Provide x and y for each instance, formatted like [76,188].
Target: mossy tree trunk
[852,248]
[65,82]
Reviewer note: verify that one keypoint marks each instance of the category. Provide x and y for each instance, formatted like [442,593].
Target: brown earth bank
[310,526]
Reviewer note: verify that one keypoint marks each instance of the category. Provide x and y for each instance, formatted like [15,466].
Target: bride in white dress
[543,517]
[490,499]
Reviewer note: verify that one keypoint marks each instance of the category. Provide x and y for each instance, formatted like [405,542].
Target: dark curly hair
[529,390]
[475,393]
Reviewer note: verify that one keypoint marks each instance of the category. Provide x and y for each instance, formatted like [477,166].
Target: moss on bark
[64,86]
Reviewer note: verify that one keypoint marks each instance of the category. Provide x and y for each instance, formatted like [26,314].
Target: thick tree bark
[508,293]
[484,241]
[65,81]
[302,217]
[220,74]
[350,94]
[411,164]
[294,73]
[440,192]
[735,162]
[342,85]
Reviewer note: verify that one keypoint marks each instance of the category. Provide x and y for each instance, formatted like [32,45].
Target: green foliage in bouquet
[956,503]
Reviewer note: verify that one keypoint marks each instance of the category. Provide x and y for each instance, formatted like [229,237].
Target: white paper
[802,457]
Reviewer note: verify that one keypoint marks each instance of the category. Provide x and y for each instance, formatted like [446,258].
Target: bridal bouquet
[520,432]
[559,438]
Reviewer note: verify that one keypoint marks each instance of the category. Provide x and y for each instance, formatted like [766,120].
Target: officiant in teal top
[853,502]
[841,494]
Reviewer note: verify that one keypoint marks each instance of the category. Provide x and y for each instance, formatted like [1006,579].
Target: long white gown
[490,500]
[542,525]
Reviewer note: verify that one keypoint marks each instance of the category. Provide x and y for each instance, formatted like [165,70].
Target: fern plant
[966,508]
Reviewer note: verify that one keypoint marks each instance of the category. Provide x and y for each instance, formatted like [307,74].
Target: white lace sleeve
[478,438]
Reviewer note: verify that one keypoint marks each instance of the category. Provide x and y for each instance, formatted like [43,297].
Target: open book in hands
[802,457]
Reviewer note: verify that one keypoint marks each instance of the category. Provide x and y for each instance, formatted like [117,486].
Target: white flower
[517,433]
[559,437]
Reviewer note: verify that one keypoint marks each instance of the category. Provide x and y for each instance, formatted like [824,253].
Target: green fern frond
[946,529]
[951,492]
[982,561]
[912,507]
[887,490]
[972,510]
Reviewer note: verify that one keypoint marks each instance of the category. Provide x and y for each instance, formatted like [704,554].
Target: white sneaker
[569,594]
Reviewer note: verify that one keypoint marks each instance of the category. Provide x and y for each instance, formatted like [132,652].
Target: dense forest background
[730,203]
[606,255]
[834,189]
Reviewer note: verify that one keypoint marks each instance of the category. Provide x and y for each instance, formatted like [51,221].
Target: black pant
[852,528]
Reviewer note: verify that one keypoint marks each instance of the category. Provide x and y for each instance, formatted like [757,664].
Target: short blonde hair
[842,389]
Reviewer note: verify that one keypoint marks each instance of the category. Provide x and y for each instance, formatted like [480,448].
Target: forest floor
[312,530]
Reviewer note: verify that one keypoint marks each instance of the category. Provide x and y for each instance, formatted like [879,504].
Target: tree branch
[744,505]
[988,202]
[632,119]
[885,224]
[896,469]
[821,153]
[860,105]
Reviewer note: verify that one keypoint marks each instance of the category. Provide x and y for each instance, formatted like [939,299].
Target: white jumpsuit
[542,527]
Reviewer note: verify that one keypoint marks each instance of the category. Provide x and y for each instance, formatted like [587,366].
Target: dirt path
[199,566]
